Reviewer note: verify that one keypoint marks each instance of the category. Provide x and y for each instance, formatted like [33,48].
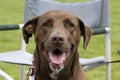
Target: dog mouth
[57,57]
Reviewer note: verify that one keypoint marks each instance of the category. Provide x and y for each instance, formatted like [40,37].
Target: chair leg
[21,72]
[108,56]
[23,48]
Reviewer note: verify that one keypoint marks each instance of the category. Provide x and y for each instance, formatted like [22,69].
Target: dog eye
[71,25]
[47,23]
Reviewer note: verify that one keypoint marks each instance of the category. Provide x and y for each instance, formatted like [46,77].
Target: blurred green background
[12,12]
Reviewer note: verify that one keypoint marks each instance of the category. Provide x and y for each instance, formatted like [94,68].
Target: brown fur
[62,30]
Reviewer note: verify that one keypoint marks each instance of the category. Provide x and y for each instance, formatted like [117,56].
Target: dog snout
[57,38]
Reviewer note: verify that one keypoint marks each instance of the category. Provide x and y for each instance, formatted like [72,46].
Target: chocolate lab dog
[57,35]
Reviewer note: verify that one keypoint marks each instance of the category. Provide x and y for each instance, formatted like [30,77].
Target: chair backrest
[95,13]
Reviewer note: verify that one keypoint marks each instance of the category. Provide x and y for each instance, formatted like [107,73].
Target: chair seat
[16,57]
[92,63]
[24,58]
[86,62]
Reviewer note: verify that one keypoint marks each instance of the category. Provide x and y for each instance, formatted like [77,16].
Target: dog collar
[31,72]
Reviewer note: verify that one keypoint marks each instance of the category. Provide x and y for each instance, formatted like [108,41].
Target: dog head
[57,34]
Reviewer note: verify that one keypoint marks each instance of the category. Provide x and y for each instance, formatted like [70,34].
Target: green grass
[12,13]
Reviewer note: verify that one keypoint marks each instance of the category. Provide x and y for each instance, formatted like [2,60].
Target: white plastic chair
[85,11]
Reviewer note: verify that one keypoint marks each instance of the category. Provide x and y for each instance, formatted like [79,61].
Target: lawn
[12,13]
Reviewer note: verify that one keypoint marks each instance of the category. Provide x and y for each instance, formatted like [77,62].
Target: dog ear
[29,28]
[86,33]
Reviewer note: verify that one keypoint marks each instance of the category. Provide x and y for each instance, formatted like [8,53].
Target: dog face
[57,34]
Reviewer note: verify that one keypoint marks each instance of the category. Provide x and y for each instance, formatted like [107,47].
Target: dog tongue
[57,59]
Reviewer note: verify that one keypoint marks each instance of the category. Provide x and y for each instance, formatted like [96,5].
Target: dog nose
[57,38]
